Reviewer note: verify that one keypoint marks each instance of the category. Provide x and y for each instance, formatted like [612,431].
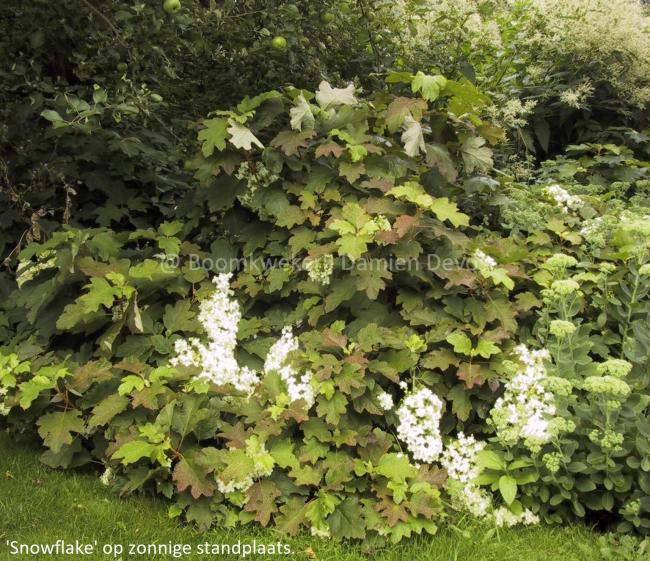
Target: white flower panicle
[482,261]
[475,500]
[460,461]
[459,458]
[386,401]
[107,477]
[565,201]
[219,315]
[235,485]
[320,269]
[577,97]
[526,409]
[419,424]
[505,517]
[277,360]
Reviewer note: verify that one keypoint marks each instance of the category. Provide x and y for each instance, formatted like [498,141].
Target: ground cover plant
[373,302]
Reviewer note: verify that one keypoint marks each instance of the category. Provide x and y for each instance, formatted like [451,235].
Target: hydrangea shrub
[362,329]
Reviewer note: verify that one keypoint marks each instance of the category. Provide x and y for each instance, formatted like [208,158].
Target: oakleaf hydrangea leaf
[56,428]
[476,155]
[328,97]
[213,136]
[412,137]
[241,136]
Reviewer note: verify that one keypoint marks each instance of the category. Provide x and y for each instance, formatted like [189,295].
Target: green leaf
[51,115]
[352,246]
[180,317]
[500,276]
[476,155]
[213,136]
[171,228]
[136,450]
[508,488]
[489,459]
[485,349]
[56,428]
[332,409]
[429,86]
[238,466]
[282,452]
[438,156]
[461,405]
[412,192]
[107,409]
[345,521]
[446,210]
[44,379]
[396,467]
[461,342]
[130,383]
[293,516]
[320,508]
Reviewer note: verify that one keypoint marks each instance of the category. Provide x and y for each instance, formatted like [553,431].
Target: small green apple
[172,6]
[279,43]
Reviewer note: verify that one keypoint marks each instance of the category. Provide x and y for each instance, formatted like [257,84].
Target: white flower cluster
[256,175]
[577,97]
[4,409]
[419,424]
[525,410]
[235,485]
[475,500]
[459,459]
[482,261]
[594,230]
[219,316]
[510,113]
[507,518]
[563,199]
[107,477]
[277,360]
[320,269]
[386,401]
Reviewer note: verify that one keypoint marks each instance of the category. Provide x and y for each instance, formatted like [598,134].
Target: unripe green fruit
[279,43]
[327,17]
[172,6]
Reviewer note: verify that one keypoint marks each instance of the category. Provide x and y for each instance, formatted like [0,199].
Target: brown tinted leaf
[235,435]
[330,148]
[334,339]
[290,142]
[391,512]
[471,374]
[261,501]
[400,107]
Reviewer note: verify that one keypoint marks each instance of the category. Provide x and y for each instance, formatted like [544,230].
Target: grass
[39,505]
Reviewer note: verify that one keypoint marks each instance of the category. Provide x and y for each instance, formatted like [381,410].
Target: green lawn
[39,505]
